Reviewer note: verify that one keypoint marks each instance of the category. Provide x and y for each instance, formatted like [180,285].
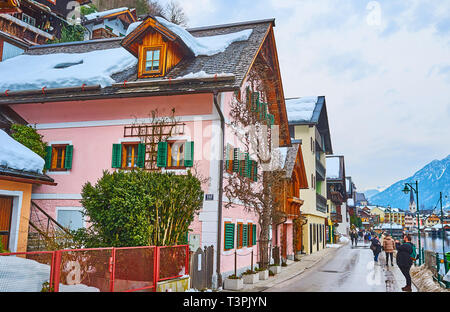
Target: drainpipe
[220,199]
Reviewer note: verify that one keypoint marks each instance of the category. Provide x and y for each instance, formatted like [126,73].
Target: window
[250,234]
[175,154]
[59,157]
[71,218]
[28,19]
[152,60]
[229,236]
[128,155]
[240,237]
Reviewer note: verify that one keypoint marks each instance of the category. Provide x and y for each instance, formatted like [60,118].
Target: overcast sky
[384,67]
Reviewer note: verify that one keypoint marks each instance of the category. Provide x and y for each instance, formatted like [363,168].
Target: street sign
[209,196]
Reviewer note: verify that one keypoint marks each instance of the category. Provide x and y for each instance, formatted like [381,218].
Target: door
[284,242]
[5,220]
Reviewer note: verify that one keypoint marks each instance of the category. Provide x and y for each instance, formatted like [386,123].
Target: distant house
[109,24]
[21,171]
[308,122]
[360,199]
[288,234]
[337,196]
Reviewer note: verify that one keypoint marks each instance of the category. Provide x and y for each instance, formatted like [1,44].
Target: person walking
[376,248]
[389,247]
[354,237]
[404,260]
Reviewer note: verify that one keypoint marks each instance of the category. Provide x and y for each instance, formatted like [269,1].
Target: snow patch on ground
[17,156]
[24,275]
[333,246]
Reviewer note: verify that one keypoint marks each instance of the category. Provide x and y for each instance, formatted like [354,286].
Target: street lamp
[442,226]
[409,187]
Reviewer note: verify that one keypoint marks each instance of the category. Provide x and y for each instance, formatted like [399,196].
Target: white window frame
[58,209]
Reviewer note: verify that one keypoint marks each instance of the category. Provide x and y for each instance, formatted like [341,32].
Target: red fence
[96,269]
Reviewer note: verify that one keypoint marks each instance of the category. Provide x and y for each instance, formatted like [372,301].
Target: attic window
[152,60]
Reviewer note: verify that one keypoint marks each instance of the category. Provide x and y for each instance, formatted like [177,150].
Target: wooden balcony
[336,217]
[321,203]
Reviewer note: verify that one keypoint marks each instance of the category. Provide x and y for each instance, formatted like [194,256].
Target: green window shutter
[69,156]
[248,166]
[48,157]
[238,235]
[236,160]
[161,159]
[229,236]
[141,155]
[244,235]
[117,156]
[255,172]
[189,154]
[254,234]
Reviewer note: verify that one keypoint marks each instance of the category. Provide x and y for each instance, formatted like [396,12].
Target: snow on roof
[350,202]
[205,45]
[333,167]
[394,226]
[301,109]
[202,74]
[104,13]
[17,156]
[132,27]
[29,72]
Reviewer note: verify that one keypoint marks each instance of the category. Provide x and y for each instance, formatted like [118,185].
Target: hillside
[432,179]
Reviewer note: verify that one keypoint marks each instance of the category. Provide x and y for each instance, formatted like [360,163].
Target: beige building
[378,211]
[308,124]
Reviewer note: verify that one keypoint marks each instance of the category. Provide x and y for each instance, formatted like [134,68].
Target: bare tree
[259,141]
[174,13]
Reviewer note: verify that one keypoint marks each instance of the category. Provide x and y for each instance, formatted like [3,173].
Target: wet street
[349,270]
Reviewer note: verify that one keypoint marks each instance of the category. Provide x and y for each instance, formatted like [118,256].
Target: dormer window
[152,63]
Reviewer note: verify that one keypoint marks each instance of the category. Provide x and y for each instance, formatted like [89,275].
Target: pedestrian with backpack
[405,256]
[375,247]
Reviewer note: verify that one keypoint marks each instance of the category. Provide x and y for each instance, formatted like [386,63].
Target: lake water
[432,243]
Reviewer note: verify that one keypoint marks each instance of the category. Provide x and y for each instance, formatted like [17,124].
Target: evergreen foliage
[139,208]
[70,33]
[28,136]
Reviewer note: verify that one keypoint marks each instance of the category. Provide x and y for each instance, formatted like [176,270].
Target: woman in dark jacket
[376,248]
[404,260]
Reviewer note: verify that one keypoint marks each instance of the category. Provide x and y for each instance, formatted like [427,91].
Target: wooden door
[5,220]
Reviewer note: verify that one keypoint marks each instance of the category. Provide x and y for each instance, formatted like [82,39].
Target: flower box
[275,269]
[250,278]
[263,275]
[233,284]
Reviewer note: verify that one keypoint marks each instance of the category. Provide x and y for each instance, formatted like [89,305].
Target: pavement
[393,278]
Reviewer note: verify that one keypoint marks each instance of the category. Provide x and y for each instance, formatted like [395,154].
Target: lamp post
[442,226]
[409,187]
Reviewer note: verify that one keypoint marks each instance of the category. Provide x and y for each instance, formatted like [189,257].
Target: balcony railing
[321,203]
[336,217]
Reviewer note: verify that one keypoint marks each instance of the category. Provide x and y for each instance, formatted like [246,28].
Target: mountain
[432,179]
[370,193]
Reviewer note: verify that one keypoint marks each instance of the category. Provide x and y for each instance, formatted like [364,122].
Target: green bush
[28,136]
[139,208]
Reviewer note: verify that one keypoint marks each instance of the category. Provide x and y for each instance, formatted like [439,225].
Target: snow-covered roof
[64,69]
[17,156]
[301,109]
[350,202]
[104,13]
[333,167]
[208,46]
[395,226]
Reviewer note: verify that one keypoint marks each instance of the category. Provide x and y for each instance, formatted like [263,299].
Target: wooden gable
[153,44]
[267,56]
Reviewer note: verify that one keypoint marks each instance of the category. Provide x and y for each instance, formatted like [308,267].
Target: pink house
[93,102]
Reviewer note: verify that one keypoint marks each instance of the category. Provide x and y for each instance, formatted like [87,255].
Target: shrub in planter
[284,264]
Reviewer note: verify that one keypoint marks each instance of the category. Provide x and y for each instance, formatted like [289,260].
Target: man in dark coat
[376,248]
[404,260]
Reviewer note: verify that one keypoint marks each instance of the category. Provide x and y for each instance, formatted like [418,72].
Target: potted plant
[275,268]
[263,273]
[233,282]
[250,277]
